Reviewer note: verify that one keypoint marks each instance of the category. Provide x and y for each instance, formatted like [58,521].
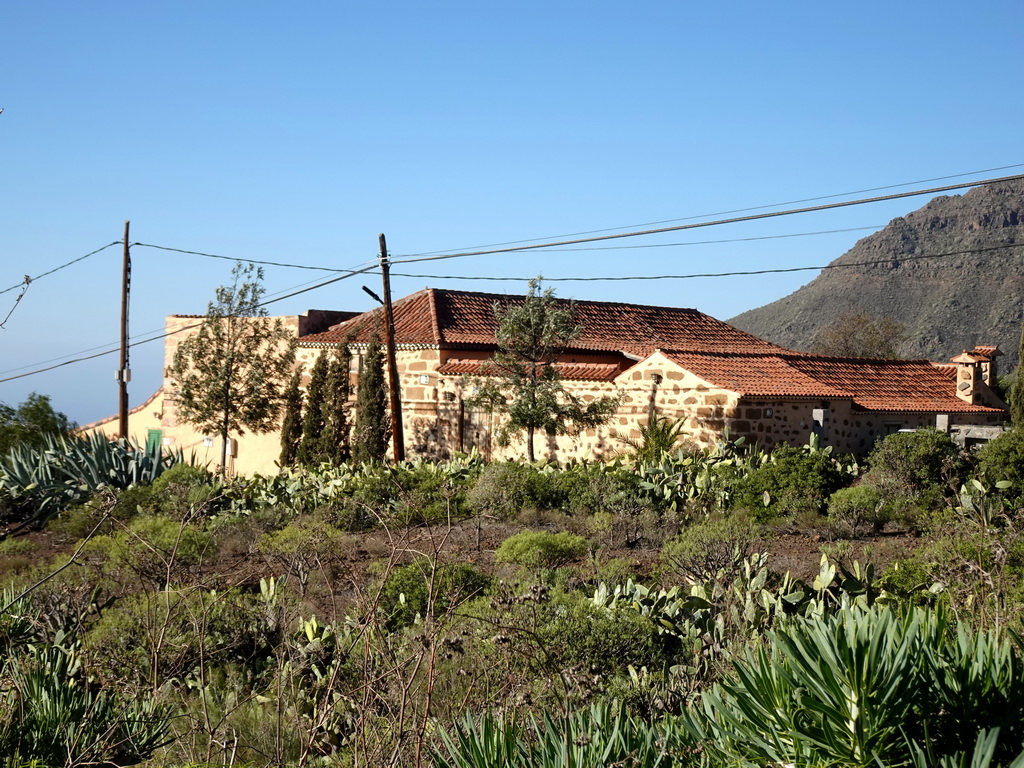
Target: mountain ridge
[946,272]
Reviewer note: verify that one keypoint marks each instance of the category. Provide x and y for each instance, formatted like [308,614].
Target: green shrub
[304,546]
[406,592]
[584,638]
[713,548]
[540,549]
[851,510]
[505,489]
[587,489]
[165,634]
[793,480]
[1003,459]
[916,471]
[155,549]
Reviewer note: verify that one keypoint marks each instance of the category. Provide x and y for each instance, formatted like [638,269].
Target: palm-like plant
[658,437]
[867,687]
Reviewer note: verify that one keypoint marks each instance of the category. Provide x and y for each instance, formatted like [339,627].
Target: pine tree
[335,442]
[291,427]
[523,383]
[227,376]
[372,427]
[313,418]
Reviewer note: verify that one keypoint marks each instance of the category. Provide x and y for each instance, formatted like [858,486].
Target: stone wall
[657,385]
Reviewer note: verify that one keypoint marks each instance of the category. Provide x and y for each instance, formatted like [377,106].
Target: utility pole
[397,433]
[124,374]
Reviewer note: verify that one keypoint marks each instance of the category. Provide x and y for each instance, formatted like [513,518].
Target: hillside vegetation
[686,608]
[944,304]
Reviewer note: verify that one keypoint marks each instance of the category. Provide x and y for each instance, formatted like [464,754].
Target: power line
[727,213]
[349,273]
[81,354]
[233,258]
[780,270]
[712,242]
[717,222]
[25,284]
[62,266]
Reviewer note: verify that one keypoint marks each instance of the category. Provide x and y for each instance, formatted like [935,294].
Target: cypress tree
[335,443]
[291,427]
[1017,393]
[372,428]
[313,419]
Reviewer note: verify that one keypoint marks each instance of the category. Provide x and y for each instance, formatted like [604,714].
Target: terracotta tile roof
[872,385]
[465,319]
[988,351]
[569,371]
[754,375]
[889,385]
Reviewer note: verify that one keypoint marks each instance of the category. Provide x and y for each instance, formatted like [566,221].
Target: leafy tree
[335,441]
[30,422]
[313,418]
[860,334]
[228,375]
[372,427]
[291,427]
[523,382]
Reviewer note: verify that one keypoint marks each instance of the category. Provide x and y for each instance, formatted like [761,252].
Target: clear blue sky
[297,132]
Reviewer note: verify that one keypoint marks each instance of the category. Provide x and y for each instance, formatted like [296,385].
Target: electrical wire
[874,228]
[27,282]
[579,241]
[232,258]
[350,273]
[727,213]
[744,273]
[716,222]
[62,266]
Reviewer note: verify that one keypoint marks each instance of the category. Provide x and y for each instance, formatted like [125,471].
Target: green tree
[372,424]
[228,375]
[30,422]
[335,441]
[291,426]
[313,417]
[860,334]
[1017,390]
[522,380]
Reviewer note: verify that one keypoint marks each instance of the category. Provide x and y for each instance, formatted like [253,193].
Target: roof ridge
[567,300]
[434,322]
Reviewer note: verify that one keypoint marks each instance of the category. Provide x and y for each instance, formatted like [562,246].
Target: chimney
[968,376]
[988,353]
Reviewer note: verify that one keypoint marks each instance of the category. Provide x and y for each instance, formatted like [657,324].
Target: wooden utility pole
[394,387]
[123,372]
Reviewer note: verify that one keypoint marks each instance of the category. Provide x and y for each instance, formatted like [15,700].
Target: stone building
[677,363]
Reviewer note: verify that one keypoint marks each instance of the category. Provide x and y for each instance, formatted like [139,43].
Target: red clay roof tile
[754,375]
[465,319]
[889,385]
[722,355]
[569,371]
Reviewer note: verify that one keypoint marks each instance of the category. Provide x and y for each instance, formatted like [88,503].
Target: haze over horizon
[297,134]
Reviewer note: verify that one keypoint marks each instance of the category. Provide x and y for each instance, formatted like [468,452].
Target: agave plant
[604,736]
[67,470]
[50,714]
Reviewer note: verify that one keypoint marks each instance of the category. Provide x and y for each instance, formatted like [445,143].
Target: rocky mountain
[944,271]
